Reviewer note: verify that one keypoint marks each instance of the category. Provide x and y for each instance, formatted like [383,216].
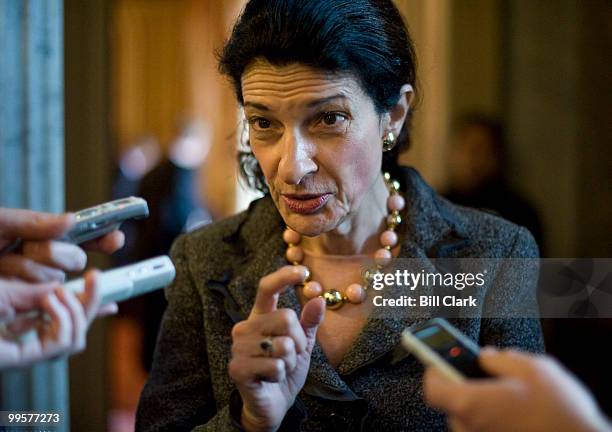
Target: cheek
[266,159]
[359,161]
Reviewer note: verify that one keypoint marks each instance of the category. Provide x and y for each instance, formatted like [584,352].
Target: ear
[396,116]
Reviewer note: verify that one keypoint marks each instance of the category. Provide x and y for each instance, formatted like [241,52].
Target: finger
[11,354]
[312,315]
[257,369]
[24,268]
[18,296]
[107,309]
[56,335]
[270,287]
[64,256]
[24,323]
[108,243]
[282,322]
[32,225]
[91,297]
[283,348]
[455,425]
[438,390]
[509,363]
[78,318]
[464,400]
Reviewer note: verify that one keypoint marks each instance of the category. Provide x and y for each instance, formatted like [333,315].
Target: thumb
[312,315]
[508,363]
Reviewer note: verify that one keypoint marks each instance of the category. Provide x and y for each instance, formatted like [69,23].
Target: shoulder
[211,235]
[208,240]
[493,234]
[444,228]
[212,247]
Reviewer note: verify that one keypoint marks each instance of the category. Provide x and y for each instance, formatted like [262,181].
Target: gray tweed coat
[218,269]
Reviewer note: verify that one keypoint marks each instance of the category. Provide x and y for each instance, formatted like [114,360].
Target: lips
[305,203]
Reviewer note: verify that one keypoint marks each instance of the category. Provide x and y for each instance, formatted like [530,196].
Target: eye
[259,123]
[332,118]
[262,123]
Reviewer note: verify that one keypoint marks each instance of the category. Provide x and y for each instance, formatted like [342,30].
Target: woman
[327,89]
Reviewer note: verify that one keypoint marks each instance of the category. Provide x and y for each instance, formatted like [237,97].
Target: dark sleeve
[510,317]
[178,394]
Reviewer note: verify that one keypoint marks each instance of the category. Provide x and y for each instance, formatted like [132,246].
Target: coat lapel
[260,252]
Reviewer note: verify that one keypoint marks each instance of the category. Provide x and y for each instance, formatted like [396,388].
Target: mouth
[305,203]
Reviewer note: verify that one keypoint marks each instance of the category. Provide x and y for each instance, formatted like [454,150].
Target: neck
[359,233]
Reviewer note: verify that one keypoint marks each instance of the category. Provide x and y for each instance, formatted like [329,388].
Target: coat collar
[427,231]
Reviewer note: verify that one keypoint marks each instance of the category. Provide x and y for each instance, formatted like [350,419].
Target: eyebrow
[318,102]
[311,104]
[256,105]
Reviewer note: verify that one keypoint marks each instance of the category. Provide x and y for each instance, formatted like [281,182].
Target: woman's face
[318,140]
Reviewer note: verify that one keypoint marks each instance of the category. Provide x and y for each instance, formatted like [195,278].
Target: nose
[296,159]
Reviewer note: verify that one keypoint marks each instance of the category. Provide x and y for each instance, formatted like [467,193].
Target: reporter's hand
[41,258]
[268,385]
[64,332]
[528,393]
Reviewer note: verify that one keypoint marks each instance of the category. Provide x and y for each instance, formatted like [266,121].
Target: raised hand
[270,375]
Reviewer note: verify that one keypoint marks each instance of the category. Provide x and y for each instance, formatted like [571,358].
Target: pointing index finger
[270,287]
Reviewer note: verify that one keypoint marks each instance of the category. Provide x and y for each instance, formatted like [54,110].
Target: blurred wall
[89,171]
[595,99]
[543,68]
[477,53]
[429,25]
[557,108]
[164,72]
[459,54]
[148,75]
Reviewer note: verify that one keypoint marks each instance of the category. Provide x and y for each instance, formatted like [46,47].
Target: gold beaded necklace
[355,293]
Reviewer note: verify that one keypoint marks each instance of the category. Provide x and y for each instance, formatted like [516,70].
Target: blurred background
[110,98]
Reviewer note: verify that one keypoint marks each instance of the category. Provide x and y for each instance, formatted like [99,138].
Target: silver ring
[266,346]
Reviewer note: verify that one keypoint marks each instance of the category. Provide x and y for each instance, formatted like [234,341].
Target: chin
[310,225]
